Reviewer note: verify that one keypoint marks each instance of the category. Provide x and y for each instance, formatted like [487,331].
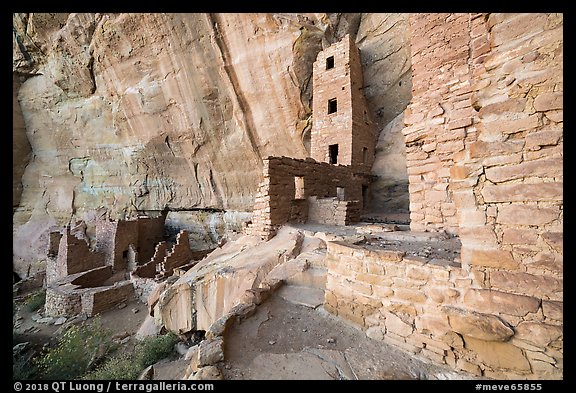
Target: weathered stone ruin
[81,280]
[485,167]
[485,163]
[474,280]
[332,186]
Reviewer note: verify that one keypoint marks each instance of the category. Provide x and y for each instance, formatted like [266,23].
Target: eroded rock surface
[128,112]
[218,283]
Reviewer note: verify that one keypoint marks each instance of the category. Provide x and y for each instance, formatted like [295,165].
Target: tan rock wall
[443,313]
[146,111]
[20,145]
[484,149]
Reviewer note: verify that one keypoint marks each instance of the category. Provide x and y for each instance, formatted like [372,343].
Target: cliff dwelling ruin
[406,185]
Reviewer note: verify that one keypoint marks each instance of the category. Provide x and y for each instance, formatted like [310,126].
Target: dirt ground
[118,321]
[288,341]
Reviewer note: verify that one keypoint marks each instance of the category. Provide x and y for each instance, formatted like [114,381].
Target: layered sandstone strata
[128,112]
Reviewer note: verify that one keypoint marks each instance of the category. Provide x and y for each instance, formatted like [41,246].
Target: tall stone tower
[342,132]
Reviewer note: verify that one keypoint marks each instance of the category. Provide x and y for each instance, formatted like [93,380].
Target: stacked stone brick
[102,299]
[276,202]
[440,118]
[149,269]
[484,136]
[332,211]
[342,149]
[86,293]
[165,260]
[74,255]
[113,238]
[350,126]
[77,276]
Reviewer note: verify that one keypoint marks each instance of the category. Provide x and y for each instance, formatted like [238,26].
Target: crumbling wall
[150,233]
[276,199]
[102,299]
[148,270]
[179,255]
[165,261]
[333,211]
[484,141]
[74,256]
[143,287]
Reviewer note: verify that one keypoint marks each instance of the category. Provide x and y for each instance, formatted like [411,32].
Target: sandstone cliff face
[128,112]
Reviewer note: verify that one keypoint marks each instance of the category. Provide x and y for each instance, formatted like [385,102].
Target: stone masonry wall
[350,126]
[275,201]
[148,269]
[53,269]
[105,234]
[63,297]
[442,313]
[440,118]
[113,238]
[62,303]
[126,234]
[54,243]
[98,300]
[484,141]
[332,211]
[94,277]
[179,255]
[150,233]
[74,256]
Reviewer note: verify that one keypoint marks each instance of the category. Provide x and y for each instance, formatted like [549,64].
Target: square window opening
[332,106]
[329,62]
[364,155]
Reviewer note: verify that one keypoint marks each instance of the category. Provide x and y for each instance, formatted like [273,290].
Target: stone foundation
[105,298]
[62,302]
[443,313]
[85,293]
